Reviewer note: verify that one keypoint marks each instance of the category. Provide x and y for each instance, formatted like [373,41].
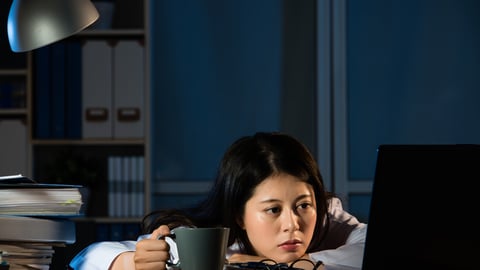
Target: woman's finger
[159,232]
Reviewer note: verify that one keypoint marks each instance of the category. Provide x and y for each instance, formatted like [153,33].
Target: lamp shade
[36,23]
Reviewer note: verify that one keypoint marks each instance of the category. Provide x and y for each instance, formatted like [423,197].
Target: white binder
[128,83]
[13,144]
[97,89]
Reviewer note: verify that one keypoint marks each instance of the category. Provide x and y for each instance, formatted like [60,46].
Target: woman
[270,193]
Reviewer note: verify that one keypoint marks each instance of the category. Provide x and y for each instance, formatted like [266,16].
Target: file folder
[97,89]
[129,88]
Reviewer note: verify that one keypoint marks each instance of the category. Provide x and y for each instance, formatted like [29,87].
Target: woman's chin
[287,258]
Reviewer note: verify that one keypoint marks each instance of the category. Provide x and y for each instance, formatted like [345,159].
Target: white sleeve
[348,255]
[99,256]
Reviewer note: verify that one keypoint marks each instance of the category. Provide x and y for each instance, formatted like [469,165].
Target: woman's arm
[348,255]
[99,256]
[345,241]
[147,253]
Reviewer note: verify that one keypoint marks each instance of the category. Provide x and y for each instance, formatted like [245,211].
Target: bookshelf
[130,25]
[15,83]
[92,149]
[15,119]
[80,159]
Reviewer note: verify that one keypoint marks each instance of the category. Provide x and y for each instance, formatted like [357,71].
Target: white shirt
[349,256]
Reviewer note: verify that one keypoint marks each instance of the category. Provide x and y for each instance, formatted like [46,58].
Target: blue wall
[219,72]
[413,75]
[216,76]
[412,78]
[222,70]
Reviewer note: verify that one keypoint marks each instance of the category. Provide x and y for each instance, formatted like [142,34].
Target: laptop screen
[424,208]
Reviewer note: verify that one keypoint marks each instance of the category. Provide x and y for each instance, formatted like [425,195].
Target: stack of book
[35,219]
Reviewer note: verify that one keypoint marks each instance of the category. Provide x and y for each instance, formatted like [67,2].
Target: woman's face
[280,218]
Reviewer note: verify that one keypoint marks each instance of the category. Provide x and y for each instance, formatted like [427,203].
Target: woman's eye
[273,210]
[304,206]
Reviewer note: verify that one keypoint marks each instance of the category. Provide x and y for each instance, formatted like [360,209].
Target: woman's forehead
[282,184]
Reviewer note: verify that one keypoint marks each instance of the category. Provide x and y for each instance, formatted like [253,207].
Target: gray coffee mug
[202,248]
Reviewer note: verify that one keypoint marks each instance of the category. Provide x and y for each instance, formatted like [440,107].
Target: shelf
[134,33]
[69,157]
[21,112]
[14,72]
[138,142]
[108,219]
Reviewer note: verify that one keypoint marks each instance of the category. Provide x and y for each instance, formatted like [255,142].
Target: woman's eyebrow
[300,197]
[308,195]
[270,200]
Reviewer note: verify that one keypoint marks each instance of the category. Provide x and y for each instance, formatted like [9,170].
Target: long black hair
[245,164]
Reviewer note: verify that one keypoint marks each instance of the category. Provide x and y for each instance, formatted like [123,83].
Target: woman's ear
[240,222]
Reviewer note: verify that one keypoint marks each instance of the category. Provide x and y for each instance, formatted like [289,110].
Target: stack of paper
[34,199]
[34,220]
[27,255]
[29,242]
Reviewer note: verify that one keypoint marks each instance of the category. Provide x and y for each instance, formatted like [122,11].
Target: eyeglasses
[269,264]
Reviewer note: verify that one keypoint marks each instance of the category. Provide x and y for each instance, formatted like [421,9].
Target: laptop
[425,208]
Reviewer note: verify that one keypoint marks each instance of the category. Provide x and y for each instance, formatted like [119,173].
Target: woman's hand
[151,253]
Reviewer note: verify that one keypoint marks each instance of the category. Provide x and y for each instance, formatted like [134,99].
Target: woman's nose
[290,222]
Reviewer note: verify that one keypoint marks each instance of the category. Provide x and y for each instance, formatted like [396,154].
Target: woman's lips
[290,245]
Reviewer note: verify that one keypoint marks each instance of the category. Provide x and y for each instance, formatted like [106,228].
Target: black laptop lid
[424,209]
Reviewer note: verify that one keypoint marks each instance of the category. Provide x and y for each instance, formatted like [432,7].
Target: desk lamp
[37,23]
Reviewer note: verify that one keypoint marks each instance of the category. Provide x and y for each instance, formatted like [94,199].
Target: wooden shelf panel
[88,142]
[22,112]
[14,72]
[121,33]
[109,219]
